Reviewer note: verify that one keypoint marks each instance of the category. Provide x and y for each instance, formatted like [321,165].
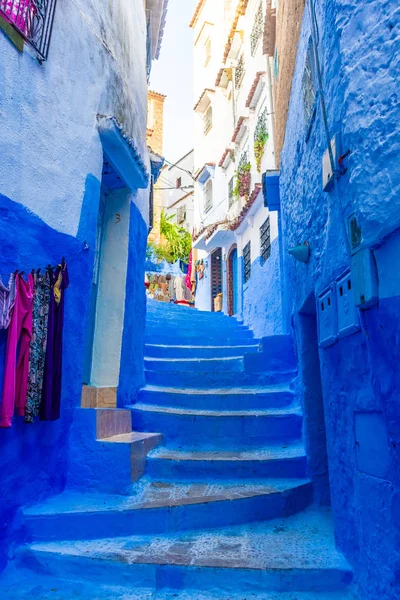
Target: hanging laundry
[7,301]
[41,300]
[51,393]
[15,383]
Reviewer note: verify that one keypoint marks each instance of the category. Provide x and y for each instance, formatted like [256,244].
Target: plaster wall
[181,196]
[359,373]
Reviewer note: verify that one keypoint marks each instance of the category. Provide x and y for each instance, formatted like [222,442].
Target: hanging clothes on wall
[7,301]
[15,383]
[51,393]
[41,301]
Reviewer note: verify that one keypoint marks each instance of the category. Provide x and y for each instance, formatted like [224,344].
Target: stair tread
[259,454]
[259,412]
[194,359]
[304,541]
[245,390]
[198,347]
[133,436]
[158,494]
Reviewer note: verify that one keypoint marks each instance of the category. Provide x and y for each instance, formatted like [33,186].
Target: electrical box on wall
[347,315]
[327,318]
[328,174]
[364,275]
[271,193]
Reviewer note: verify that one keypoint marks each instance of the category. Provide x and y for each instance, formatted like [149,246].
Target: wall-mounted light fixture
[301,252]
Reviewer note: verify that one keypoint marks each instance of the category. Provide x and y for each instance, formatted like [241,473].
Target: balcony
[33,20]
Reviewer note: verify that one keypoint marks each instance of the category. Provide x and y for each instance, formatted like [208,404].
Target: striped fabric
[7,301]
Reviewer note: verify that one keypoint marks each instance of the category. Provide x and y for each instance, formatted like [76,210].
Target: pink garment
[188,279]
[19,12]
[15,384]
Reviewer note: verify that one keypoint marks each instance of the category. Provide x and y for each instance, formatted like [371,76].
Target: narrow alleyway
[224,509]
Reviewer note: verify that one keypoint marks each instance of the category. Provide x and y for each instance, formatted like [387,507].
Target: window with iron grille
[151,204]
[208,196]
[231,195]
[265,240]
[181,214]
[257,31]
[247,261]
[308,87]
[208,120]
[261,126]
[33,19]
[240,71]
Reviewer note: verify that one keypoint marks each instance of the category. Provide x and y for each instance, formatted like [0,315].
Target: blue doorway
[233,281]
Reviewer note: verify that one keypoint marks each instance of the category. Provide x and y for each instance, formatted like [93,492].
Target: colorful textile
[41,299]
[188,279]
[15,383]
[51,392]
[7,301]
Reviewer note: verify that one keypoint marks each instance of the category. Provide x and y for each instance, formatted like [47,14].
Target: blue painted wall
[359,373]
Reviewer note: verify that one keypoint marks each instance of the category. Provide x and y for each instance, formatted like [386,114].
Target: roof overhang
[221,238]
[204,101]
[224,77]
[157,163]
[158,14]
[240,129]
[256,90]
[206,172]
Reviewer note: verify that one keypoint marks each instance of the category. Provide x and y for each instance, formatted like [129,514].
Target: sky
[172,75]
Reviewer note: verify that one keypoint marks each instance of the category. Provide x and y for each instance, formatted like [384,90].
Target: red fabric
[188,280]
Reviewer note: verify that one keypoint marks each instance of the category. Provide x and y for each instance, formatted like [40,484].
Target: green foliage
[260,140]
[242,181]
[175,243]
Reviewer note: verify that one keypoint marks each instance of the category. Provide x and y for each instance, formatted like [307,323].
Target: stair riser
[198,366]
[193,352]
[203,337]
[193,323]
[222,470]
[74,526]
[230,432]
[212,379]
[218,401]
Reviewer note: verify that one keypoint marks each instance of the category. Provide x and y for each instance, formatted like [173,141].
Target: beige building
[155,137]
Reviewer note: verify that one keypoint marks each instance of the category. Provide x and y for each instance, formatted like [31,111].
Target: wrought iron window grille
[239,72]
[231,195]
[244,159]
[181,214]
[265,240]
[151,204]
[33,20]
[247,262]
[208,196]
[262,124]
[258,30]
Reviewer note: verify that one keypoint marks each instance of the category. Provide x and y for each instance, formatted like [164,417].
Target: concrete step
[274,461]
[218,429]
[293,556]
[165,507]
[206,337]
[229,363]
[165,351]
[215,379]
[245,398]
[188,324]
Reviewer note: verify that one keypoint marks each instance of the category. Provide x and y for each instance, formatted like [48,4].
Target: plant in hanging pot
[260,140]
[243,181]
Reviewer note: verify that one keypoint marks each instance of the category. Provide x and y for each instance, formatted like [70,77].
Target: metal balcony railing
[33,20]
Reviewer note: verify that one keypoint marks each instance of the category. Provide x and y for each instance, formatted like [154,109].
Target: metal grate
[181,214]
[231,196]
[208,120]
[308,87]
[208,196]
[33,19]
[247,262]
[261,127]
[258,29]
[151,204]
[239,72]
[265,240]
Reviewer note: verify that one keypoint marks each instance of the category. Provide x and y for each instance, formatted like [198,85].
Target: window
[181,214]
[33,19]
[257,31]
[239,72]
[151,204]
[179,182]
[308,87]
[231,195]
[247,262]
[208,120]
[208,196]
[265,240]
[207,51]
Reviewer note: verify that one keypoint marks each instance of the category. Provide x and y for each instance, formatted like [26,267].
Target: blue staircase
[225,507]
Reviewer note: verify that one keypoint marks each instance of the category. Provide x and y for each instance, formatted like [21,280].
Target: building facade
[155,141]
[235,234]
[178,197]
[339,193]
[74,183]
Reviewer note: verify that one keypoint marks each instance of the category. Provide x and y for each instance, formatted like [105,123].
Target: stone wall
[155,137]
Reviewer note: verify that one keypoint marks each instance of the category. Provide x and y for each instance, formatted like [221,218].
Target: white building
[178,191]
[235,235]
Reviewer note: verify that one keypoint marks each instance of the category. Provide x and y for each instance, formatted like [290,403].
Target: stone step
[206,337]
[295,555]
[274,461]
[215,379]
[218,429]
[194,323]
[245,398]
[229,363]
[160,507]
[165,351]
